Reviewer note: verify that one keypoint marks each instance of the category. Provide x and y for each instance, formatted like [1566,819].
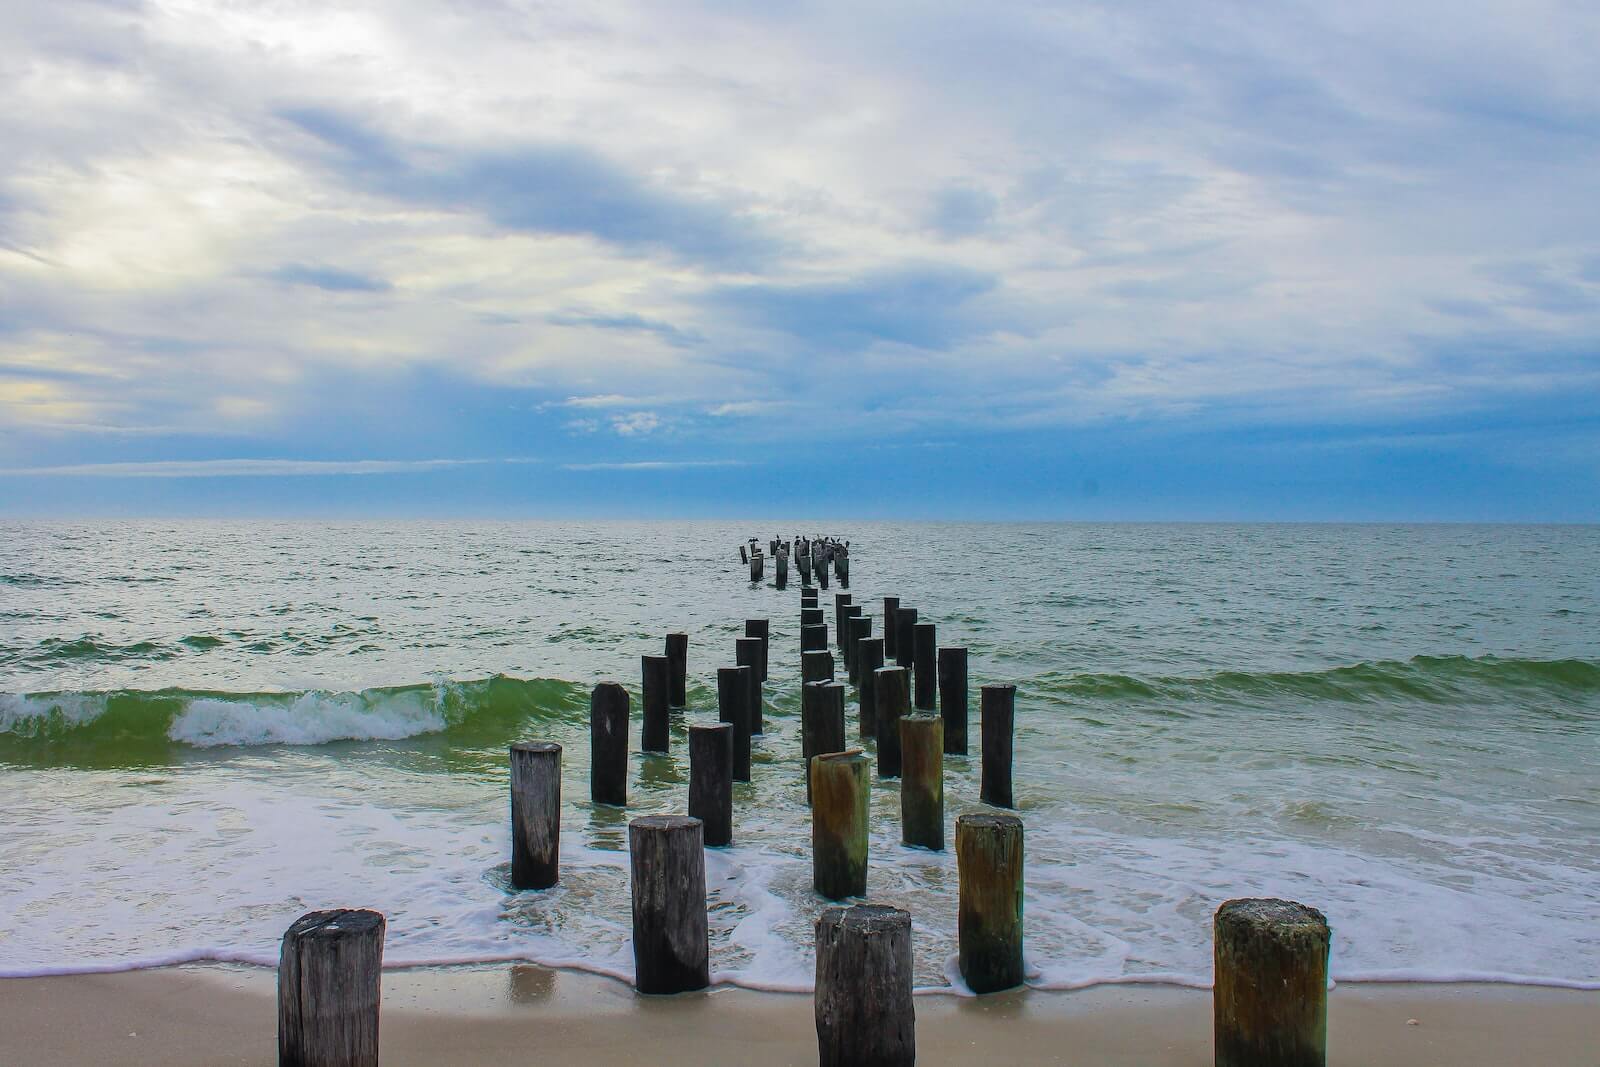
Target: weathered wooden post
[654,689]
[760,628]
[783,570]
[329,979]
[839,794]
[925,653]
[819,568]
[860,630]
[535,814]
[869,657]
[997,707]
[804,559]
[905,643]
[1270,991]
[711,780]
[808,598]
[847,626]
[821,723]
[733,708]
[747,653]
[893,701]
[922,781]
[756,568]
[671,947]
[608,744]
[744,557]
[814,617]
[989,919]
[678,661]
[891,604]
[953,699]
[816,665]
[840,602]
[813,637]
[844,572]
[864,1009]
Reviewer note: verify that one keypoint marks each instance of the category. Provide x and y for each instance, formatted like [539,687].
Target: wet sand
[524,1014]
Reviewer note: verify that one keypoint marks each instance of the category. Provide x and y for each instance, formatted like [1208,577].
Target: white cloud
[655,465]
[247,468]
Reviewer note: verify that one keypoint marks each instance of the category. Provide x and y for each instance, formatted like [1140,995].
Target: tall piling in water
[860,630]
[747,652]
[760,628]
[608,744]
[655,687]
[821,723]
[816,665]
[894,701]
[678,670]
[997,706]
[839,792]
[922,781]
[925,654]
[905,641]
[535,814]
[733,708]
[953,699]
[667,868]
[711,780]
[869,657]
[891,605]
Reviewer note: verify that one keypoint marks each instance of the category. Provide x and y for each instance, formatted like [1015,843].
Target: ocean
[209,728]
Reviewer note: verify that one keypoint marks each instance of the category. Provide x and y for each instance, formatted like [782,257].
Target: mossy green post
[1270,995]
[839,790]
[989,927]
[922,781]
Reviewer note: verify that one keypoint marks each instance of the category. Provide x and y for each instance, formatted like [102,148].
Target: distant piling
[852,615]
[839,792]
[678,674]
[747,652]
[905,641]
[997,706]
[893,703]
[925,654]
[840,602]
[711,780]
[733,708]
[860,630]
[762,629]
[535,814]
[953,699]
[989,913]
[864,1010]
[330,970]
[656,684]
[1270,988]
[608,744]
[891,605]
[667,865]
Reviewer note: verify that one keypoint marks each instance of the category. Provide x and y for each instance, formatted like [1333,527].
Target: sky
[1127,260]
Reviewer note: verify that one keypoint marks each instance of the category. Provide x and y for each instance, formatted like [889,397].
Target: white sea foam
[310,719]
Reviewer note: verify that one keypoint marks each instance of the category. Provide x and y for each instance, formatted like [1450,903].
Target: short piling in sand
[667,867]
[893,702]
[656,687]
[864,1010]
[711,780]
[989,915]
[608,744]
[329,977]
[1270,991]
[839,792]
[535,814]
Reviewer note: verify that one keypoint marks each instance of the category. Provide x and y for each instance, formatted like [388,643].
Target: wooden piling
[678,674]
[813,637]
[813,616]
[821,724]
[925,654]
[535,814]
[783,570]
[864,1009]
[891,604]
[905,644]
[953,699]
[989,918]
[744,557]
[819,570]
[733,708]
[760,628]
[816,665]
[869,657]
[860,630]
[329,979]
[656,684]
[893,702]
[808,598]
[756,568]
[840,602]
[608,744]
[1270,990]
[843,569]
[667,865]
[747,652]
[839,793]
[711,780]
[847,629]
[997,708]
[922,781]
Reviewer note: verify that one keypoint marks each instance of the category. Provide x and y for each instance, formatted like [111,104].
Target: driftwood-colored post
[893,701]
[869,657]
[656,685]
[997,706]
[922,781]
[821,723]
[813,637]
[711,780]
[1270,992]
[925,655]
[535,814]
[329,978]
[761,628]
[839,792]
[608,744]
[667,863]
[747,653]
[678,675]
[733,708]
[816,665]
[953,699]
[905,644]
[891,604]
[864,1009]
[989,918]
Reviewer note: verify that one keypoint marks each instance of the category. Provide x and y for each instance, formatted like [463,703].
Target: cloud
[960,211]
[655,465]
[329,278]
[246,468]
[636,423]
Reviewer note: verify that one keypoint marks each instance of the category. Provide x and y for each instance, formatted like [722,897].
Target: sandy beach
[515,1013]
